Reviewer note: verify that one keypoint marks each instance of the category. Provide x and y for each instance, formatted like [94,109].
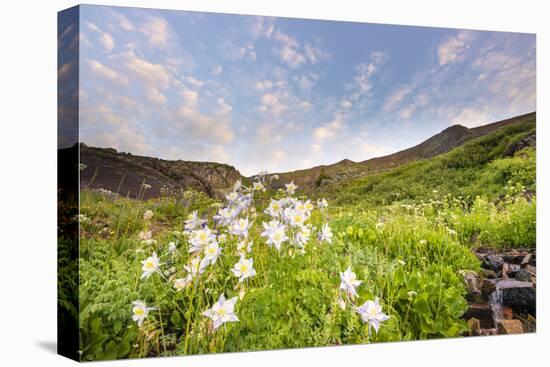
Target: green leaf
[117,325]
[422,307]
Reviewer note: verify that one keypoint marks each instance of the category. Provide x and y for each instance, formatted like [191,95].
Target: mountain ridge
[125,173]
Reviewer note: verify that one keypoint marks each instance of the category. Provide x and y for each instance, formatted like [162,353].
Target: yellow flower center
[244,268]
[138,311]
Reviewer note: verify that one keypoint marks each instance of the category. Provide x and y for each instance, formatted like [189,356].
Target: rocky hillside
[450,138]
[124,173]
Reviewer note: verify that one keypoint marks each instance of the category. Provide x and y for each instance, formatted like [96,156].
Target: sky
[280,94]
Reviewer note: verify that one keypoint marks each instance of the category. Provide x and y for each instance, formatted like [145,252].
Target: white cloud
[330,129]
[269,99]
[194,82]
[123,21]
[395,98]
[362,83]
[153,74]
[106,72]
[208,128]
[453,49]
[217,70]
[107,41]
[470,117]
[154,95]
[263,84]
[157,31]
[407,111]
[345,104]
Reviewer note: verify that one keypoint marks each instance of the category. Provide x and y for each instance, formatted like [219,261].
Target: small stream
[502,298]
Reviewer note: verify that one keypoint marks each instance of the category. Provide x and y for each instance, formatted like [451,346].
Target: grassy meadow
[407,235]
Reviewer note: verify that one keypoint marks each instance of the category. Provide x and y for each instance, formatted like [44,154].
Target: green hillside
[483,166]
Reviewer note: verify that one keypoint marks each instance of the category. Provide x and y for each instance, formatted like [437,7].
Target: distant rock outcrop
[124,173]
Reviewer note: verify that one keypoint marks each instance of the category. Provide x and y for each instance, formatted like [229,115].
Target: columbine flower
[172,248]
[222,311]
[232,197]
[302,237]
[181,283]
[295,218]
[240,227]
[275,233]
[322,204]
[200,238]
[274,209]
[150,266]
[193,221]
[291,187]
[326,233]
[349,282]
[212,252]
[244,269]
[148,214]
[371,313]
[146,186]
[257,186]
[195,268]
[225,215]
[140,311]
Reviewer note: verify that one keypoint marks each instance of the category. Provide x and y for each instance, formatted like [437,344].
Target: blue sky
[281,94]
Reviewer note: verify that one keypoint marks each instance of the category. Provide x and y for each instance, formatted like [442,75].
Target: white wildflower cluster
[231,227]
[289,221]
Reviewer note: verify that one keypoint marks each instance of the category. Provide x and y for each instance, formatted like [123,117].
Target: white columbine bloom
[232,196]
[257,186]
[172,248]
[349,282]
[223,311]
[225,215]
[295,218]
[240,227]
[276,236]
[193,221]
[212,252]
[150,266]
[274,209]
[200,238]
[302,236]
[291,187]
[196,267]
[371,313]
[181,283]
[140,311]
[326,233]
[244,269]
